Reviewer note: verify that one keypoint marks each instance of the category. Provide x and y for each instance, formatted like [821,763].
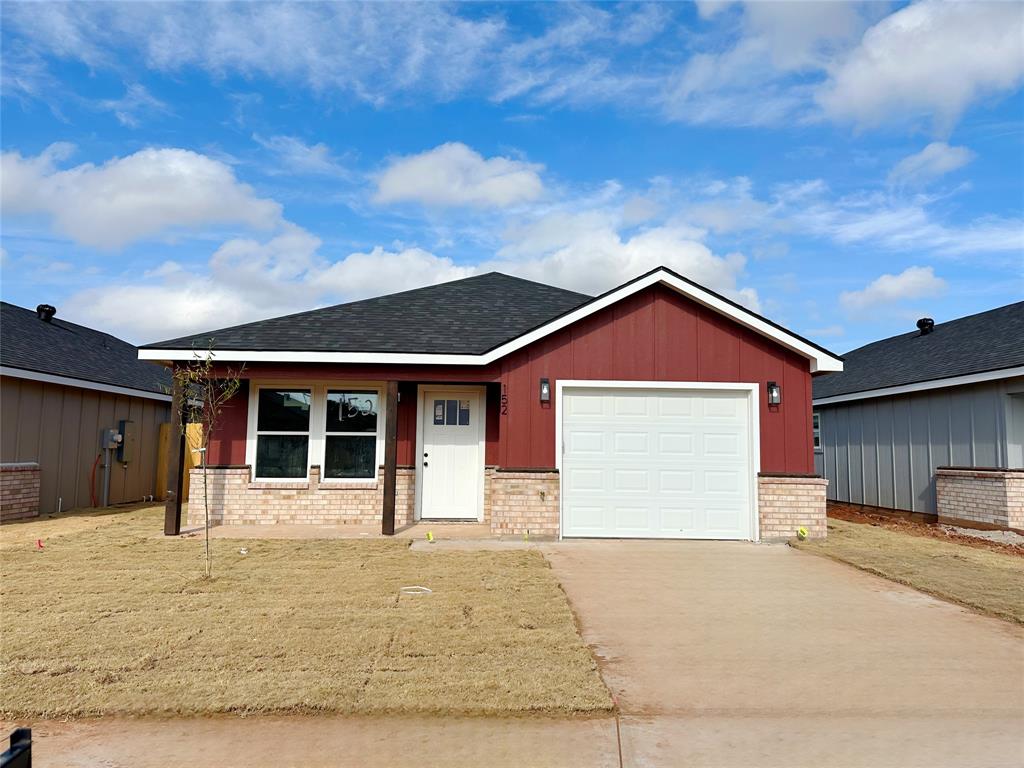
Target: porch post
[175,464]
[387,525]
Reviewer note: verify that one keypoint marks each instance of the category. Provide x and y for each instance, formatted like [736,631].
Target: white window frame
[816,431]
[316,452]
[379,435]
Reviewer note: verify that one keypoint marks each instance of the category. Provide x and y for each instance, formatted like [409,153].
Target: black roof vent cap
[45,312]
[926,325]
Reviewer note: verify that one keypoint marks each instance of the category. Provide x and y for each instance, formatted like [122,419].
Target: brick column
[788,502]
[19,490]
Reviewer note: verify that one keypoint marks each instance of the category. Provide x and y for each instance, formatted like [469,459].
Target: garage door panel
[632,518]
[586,442]
[718,444]
[585,480]
[588,518]
[630,406]
[631,480]
[656,464]
[721,407]
[677,518]
[675,480]
[675,444]
[720,481]
[674,407]
[631,442]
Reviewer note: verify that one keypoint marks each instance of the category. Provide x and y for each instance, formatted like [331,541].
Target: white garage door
[656,463]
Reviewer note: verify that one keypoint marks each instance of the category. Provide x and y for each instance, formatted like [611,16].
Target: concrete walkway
[733,654]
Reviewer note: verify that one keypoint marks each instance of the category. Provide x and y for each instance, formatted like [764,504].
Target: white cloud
[932,162]
[585,252]
[756,63]
[373,51]
[247,279]
[455,175]
[746,83]
[884,291]
[931,59]
[879,222]
[296,157]
[135,103]
[381,271]
[130,198]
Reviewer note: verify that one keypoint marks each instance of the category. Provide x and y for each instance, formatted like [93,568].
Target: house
[930,421]
[66,392]
[658,409]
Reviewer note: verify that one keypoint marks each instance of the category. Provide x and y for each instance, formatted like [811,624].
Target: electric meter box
[129,436]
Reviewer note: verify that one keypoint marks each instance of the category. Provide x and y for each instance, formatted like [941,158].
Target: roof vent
[926,325]
[45,312]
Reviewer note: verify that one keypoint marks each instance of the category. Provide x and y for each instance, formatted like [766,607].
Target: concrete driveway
[733,654]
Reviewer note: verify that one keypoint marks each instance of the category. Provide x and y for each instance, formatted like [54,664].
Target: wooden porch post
[387,524]
[175,465]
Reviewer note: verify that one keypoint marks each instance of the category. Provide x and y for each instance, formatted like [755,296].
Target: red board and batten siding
[654,335]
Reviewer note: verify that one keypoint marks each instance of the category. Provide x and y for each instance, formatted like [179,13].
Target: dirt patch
[109,619]
[987,579]
[867,516]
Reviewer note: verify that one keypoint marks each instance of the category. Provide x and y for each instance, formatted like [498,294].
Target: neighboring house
[930,421]
[62,386]
[643,412]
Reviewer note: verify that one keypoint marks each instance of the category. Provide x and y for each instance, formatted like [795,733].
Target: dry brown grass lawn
[114,619]
[987,581]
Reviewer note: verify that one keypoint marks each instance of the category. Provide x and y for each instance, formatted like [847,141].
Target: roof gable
[72,351]
[480,348]
[987,341]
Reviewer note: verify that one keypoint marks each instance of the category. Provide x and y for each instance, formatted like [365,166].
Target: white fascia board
[820,361]
[286,356]
[922,386]
[67,381]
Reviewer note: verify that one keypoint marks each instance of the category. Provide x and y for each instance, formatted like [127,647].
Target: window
[282,433]
[350,434]
[816,427]
[336,426]
[451,413]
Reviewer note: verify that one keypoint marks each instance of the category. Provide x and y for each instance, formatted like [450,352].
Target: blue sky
[842,168]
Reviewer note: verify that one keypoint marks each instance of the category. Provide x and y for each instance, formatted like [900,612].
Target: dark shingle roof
[66,349]
[469,316]
[984,342]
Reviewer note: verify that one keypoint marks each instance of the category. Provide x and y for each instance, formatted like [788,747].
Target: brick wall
[19,490]
[788,502]
[991,496]
[523,502]
[235,500]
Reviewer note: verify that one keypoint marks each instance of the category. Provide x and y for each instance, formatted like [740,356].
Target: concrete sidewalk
[325,742]
[719,654]
[733,654]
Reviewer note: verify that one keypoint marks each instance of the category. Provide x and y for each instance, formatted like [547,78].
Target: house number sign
[504,401]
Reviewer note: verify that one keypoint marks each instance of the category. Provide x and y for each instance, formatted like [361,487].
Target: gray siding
[59,427]
[883,452]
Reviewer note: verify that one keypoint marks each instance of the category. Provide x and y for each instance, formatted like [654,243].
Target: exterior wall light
[545,391]
[774,393]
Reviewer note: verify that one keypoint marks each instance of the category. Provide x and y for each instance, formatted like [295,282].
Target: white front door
[451,457]
[657,463]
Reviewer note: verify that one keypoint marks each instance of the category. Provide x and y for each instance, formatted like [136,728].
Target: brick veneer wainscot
[236,500]
[524,502]
[19,490]
[992,496]
[788,502]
